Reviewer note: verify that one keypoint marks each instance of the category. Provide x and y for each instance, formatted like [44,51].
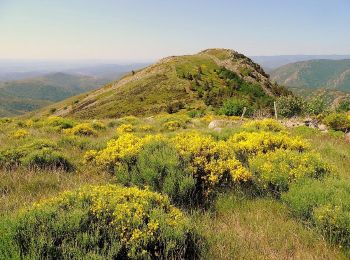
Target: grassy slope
[152,89]
[241,228]
[315,74]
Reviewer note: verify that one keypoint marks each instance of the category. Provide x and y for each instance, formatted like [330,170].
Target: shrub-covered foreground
[103,222]
[191,168]
[325,204]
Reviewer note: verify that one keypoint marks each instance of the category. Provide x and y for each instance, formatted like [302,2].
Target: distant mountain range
[331,74]
[16,70]
[270,63]
[27,86]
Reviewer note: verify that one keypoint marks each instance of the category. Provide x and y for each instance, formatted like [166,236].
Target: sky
[146,30]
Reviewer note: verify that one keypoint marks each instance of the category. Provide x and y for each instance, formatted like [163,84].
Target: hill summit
[205,79]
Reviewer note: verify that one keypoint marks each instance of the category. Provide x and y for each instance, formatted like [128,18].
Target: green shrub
[159,166]
[47,159]
[60,123]
[326,204]
[105,222]
[338,122]
[316,106]
[196,113]
[274,171]
[344,106]
[289,106]
[234,107]
[11,158]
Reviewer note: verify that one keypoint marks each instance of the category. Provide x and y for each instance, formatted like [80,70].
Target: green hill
[20,96]
[201,80]
[333,74]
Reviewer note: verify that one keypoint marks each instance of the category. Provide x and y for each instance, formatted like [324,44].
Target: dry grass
[260,229]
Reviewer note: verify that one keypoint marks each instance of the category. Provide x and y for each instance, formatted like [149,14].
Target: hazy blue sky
[150,29]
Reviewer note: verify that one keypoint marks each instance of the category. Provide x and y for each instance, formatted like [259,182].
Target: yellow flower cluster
[132,213]
[125,128]
[172,125]
[209,160]
[280,167]
[84,129]
[124,149]
[246,143]
[21,133]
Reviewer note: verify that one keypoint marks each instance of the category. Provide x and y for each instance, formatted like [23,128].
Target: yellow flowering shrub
[115,222]
[172,125]
[274,171]
[264,125]
[97,125]
[21,133]
[211,162]
[125,128]
[84,129]
[245,144]
[146,128]
[119,152]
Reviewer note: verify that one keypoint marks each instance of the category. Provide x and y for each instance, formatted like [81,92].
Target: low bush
[172,125]
[105,222]
[60,123]
[264,125]
[159,166]
[326,204]
[196,113]
[247,144]
[274,171]
[47,159]
[125,128]
[39,154]
[11,158]
[21,133]
[84,129]
[98,125]
[338,122]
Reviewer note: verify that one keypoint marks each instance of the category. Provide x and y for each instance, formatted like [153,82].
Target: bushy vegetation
[274,171]
[325,204]
[264,125]
[39,154]
[235,107]
[289,106]
[212,175]
[105,222]
[338,122]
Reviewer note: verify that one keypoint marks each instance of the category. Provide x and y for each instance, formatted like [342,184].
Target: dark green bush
[235,107]
[326,204]
[344,106]
[47,159]
[158,166]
